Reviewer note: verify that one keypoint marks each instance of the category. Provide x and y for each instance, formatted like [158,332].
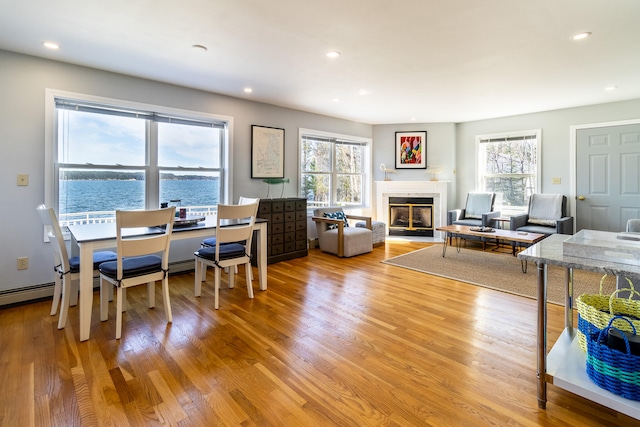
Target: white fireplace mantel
[435,189]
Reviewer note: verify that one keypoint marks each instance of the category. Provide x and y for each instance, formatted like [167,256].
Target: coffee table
[496,233]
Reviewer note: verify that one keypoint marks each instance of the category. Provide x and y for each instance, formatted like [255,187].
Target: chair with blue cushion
[335,236]
[478,212]
[211,241]
[67,269]
[234,232]
[141,259]
[546,214]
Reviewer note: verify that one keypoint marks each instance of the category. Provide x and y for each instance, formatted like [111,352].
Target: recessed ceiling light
[581,36]
[364,92]
[200,47]
[333,54]
[51,45]
[611,88]
[336,99]
[413,119]
[248,90]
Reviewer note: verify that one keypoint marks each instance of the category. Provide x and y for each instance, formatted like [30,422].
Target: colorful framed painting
[267,152]
[411,150]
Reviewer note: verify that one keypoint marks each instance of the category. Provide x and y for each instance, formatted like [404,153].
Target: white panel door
[608,177]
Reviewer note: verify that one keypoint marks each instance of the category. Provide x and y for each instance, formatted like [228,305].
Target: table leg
[261,246]
[444,243]
[86,289]
[542,335]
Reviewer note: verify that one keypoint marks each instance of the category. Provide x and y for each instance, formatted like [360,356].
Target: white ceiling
[423,60]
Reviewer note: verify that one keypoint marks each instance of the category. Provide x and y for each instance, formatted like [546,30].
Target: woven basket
[613,370]
[595,311]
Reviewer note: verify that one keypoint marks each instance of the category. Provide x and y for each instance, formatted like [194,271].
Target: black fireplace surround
[411,216]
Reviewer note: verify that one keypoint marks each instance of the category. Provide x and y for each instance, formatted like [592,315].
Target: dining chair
[211,241]
[234,231]
[141,258]
[67,269]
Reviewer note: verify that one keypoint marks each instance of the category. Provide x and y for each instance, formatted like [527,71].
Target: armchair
[546,214]
[478,211]
[337,237]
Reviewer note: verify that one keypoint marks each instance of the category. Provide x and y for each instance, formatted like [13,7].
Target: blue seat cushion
[98,258]
[133,266]
[227,251]
[211,241]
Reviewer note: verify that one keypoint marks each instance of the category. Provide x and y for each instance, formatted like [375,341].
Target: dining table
[97,236]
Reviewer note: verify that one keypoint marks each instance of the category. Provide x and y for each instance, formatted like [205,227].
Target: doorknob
[580,197]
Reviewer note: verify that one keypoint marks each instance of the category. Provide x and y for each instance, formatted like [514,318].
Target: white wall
[23,80]
[555,127]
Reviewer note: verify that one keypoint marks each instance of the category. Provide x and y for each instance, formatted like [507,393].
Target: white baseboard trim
[45,290]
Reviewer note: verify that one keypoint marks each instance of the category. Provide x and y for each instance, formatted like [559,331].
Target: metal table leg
[542,335]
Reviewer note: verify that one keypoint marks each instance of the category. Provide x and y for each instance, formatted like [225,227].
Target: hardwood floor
[332,342]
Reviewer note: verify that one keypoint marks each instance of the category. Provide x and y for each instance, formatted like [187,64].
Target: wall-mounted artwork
[267,152]
[411,150]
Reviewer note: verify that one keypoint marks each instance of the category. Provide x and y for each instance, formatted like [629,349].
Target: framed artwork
[411,150]
[267,152]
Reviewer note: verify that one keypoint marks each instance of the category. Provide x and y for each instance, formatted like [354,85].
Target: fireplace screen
[411,216]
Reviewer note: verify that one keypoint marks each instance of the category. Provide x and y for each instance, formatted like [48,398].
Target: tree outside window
[508,166]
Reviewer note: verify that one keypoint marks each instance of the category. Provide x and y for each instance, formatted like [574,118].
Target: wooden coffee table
[497,234]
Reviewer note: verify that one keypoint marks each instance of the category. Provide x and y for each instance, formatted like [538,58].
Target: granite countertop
[550,251]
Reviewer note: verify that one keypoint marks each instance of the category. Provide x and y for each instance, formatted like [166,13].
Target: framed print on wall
[411,150]
[267,152]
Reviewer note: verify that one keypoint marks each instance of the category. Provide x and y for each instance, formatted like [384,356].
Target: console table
[565,365]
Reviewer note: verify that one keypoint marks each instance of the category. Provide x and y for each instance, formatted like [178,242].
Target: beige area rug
[500,271]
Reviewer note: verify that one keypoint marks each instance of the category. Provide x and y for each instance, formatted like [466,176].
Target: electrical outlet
[23,179]
[23,263]
[556,180]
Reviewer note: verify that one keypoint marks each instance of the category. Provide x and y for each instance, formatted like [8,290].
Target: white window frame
[366,167]
[509,210]
[51,180]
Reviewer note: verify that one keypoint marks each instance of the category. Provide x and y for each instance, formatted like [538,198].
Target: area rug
[500,271]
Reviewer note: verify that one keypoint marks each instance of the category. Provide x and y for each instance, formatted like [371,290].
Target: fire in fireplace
[411,216]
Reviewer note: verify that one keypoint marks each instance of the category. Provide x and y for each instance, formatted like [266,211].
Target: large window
[109,155]
[334,169]
[508,164]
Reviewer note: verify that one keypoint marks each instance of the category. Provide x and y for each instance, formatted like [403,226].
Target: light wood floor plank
[332,342]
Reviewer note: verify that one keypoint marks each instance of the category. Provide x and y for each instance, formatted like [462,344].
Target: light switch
[23,179]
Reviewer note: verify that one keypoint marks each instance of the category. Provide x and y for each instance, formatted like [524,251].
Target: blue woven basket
[610,369]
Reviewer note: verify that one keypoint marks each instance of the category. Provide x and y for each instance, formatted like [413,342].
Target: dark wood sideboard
[287,228]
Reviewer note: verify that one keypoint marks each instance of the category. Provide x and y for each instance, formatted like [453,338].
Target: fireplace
[411,216]
[437,190]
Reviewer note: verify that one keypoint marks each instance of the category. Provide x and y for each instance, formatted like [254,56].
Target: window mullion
[152,181]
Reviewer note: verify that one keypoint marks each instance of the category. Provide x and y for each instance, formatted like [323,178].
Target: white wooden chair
[141,259]
[234,232]
[67,269]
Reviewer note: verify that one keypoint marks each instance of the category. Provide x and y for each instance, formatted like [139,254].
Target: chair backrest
[545,209]
[54,233]
[131,244]
[478,204]
[333,212]
[247,200]
[235,224]
[633,226]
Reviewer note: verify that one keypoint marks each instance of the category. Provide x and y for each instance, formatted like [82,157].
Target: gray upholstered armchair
[337,237]
[478,212]
[547,214]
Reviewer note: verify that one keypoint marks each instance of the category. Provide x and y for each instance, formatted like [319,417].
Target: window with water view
[110,158]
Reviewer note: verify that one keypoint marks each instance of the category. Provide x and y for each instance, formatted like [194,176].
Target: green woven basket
[596,310]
